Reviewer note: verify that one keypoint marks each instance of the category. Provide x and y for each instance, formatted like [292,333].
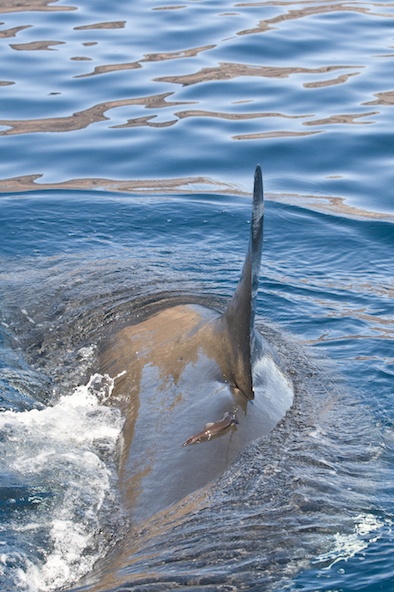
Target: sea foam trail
[61,485]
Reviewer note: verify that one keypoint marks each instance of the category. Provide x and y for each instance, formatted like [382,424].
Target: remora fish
[213,428]
[183,365]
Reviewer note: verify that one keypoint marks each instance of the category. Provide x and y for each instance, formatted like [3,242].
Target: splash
[367,530]
[60,485]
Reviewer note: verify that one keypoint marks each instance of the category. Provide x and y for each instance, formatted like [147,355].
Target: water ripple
[308,11]
[154,57]
[182,98]
[91,72]
[81,119]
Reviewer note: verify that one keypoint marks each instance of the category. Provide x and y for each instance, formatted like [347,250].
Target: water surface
[129,135]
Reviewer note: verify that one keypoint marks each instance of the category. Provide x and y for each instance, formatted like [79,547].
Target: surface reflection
[82,119]
[5,34]
[300,13]
[32,5]
[153,57]
[346,118]
[36,45]
[107,25]
[188,87]
[273,134]
[176,185]
[383,98]
[338,80]
[228,71]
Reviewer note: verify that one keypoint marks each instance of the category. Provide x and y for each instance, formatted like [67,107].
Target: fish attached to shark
[213,428]
[184,365]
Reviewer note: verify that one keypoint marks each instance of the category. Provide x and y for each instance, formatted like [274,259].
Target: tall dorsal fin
[240,313]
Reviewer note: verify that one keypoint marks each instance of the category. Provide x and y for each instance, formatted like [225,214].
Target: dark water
[129,135]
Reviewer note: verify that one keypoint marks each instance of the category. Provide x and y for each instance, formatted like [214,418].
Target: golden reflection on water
[12,32]
[111,68]
[274,134]
[175,55]
[144,121]
[345,118]
[140,121]
[96,113]
[32,6]
[310,78]
[169,7]
[233,116]
[229,70]
[329,203]
[36,45]
[310,10]
[383,98]
[81,59]
[106,25]
[151,57]
[81,119]
[172,186]
[338,80]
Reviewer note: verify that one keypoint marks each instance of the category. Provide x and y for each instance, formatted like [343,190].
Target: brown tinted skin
[174,370]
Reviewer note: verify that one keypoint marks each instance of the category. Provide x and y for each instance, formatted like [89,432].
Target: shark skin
[187,365]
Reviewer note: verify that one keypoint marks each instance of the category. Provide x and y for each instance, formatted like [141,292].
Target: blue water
[129,133]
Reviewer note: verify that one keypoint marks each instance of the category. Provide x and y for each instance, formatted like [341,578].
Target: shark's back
[183,367]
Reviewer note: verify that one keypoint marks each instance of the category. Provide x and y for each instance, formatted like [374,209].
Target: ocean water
[129,133]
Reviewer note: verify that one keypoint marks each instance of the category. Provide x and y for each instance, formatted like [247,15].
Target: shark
[183,366]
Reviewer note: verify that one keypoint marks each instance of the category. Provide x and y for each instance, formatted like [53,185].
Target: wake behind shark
[186,366]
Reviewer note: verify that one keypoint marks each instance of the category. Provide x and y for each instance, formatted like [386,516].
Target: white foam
[67,450]
[367,529]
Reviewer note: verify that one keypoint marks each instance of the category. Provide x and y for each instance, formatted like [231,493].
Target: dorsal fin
[240,313]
